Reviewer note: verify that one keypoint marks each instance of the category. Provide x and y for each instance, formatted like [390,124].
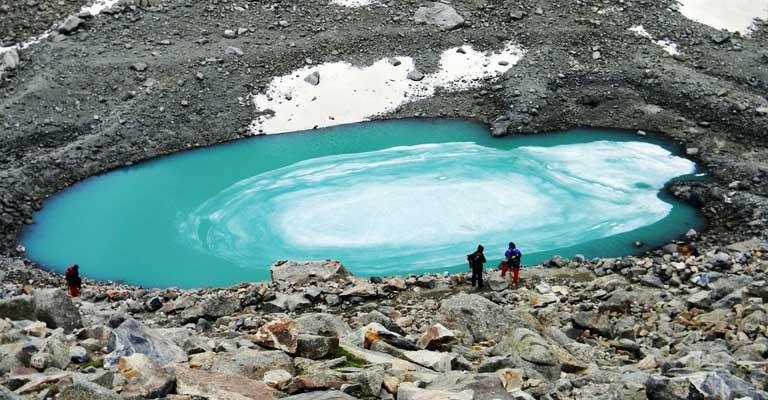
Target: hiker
[72,275]
[476,261]
[512,258]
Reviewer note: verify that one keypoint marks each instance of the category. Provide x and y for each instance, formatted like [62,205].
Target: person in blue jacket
[512,256]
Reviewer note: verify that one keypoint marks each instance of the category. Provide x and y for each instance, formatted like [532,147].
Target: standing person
[72,275]
[513,256]
[476,261]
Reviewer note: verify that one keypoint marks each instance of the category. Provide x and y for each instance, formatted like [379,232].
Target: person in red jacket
[72,275]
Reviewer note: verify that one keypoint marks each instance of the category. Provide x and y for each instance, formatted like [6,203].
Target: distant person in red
[72,275]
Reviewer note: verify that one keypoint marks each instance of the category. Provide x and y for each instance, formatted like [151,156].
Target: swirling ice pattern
[380,210]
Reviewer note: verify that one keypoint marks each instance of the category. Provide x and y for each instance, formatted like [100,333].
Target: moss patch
[352,361]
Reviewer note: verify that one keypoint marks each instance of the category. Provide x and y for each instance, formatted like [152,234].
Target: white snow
[732,15]
[667,45]
[353,3]
[348,93]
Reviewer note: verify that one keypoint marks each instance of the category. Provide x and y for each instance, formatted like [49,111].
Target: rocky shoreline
[148,78]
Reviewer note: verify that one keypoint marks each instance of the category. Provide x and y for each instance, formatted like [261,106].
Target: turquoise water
[392,197]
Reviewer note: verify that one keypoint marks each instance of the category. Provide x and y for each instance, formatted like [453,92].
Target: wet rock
[86,391]
[55,308]
[314,80]
[440,14]
[316,347]
[211,385]
[436,338]
[144,378]
[211,308]
[18,308]
[474,318]
[281,334]
[70,25]
[132,337]
[304,272]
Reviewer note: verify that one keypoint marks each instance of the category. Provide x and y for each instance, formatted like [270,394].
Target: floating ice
[666,45]
[733,15]
[375,210]
[347,93]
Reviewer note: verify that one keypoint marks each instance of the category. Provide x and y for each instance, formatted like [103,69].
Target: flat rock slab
[303,272]
[215,386]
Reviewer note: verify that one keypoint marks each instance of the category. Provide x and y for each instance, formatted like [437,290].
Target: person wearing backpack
[512,257]
[476,261]
[72,275]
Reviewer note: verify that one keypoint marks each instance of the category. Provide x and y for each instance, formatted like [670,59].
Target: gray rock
[736,297]
[78,354]
[154,304]
[18,308]
[6,394]
[415,75]
[475,318]
[70,25]
[322,324]
[132,337]
[233,51]
[252,364]
[702,385]
[212,307]
[229,34]
[333,300]
[323,395]
[53,353]
[701,300]
[316,347]
[440,14]
[10,60]
[652,280]
[55,308]
[595,322]
[286,302]
[379,318]
[139,67]
[304,272]
[530,352]
[86,391]
[720,37]
[314,80]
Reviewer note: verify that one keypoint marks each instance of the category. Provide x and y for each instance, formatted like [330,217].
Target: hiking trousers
[477,276]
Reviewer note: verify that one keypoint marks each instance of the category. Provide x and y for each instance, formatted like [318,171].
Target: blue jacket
[513,257]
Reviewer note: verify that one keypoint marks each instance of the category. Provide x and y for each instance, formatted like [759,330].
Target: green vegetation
[352,361]
[95,363]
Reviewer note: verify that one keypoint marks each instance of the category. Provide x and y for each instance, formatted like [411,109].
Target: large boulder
[280,334]
[56,309]
[86,391]
[249,363]
[211,385]
[369,380]
[436,337]
[316,347]
[53,353]
[144,378]
[410,391]
[303,272]
[132,337]
[599,323]
[474,318]
[531,352]
[212,307]
[440,14]
[18,308]
[322,324]
[702,385]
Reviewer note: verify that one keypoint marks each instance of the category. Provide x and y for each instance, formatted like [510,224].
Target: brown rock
[144,378]
[215,386]
[281,334]
[436,337]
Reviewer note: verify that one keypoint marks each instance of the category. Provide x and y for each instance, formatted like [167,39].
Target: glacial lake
[385,198]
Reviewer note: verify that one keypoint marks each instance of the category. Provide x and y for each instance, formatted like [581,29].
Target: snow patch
[348,93]
[732,15]
[667,45]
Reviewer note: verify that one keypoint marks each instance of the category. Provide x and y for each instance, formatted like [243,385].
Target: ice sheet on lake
[733,15]
[348,93]
[411,205]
